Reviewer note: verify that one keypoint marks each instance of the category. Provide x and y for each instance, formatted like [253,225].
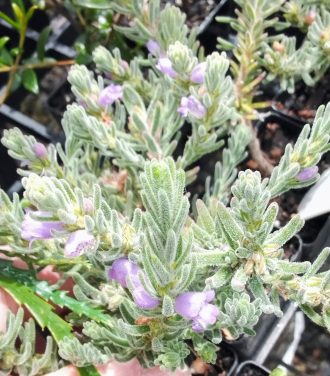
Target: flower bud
[88,205]
[40,150]
[198,73]
[278,46]
[307,173]
[310,17]
[153,47]
[165,66]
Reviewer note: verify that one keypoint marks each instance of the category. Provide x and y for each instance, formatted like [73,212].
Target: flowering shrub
[111,210]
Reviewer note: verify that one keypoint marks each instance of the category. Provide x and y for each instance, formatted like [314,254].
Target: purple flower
[165,66]
[79,242]
[40,150]
[153,47]
[195,306]
[307,173]
[191,105]
[33,229]
[110,94]
[198,73]
[122,270]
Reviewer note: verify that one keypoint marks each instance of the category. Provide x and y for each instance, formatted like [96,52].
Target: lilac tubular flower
[153,47]
[165,66]
[110,94]
[34,229]
[78,243]
[198,73]
[123,269]
[40,150]
[120,269]
[195,306]
[191,105]
[307,173]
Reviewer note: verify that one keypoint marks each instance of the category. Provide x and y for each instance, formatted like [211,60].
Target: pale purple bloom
[121,271]
[165,66]
[34,229]
[40,150]
[307,173]
[78,243]
[198,73]
[153,47]
[110,94]
[196,306]
[121,268]
[191,105]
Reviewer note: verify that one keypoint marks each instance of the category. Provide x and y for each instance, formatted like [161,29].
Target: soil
[224,363]
[305,101]
[252,370]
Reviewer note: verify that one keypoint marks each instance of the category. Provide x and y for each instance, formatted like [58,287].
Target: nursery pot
[312,250]
[250,368]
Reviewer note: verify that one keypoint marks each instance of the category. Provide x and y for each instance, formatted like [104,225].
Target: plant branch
[40,65]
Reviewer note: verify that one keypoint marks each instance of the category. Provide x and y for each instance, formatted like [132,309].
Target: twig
[40,65]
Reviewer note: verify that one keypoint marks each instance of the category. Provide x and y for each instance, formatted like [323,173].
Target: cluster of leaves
[263,49]
[11,52]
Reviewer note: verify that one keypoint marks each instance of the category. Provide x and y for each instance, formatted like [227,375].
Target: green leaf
[30,81]
[20,17]
[88,371]
[61,299]
[94,4]
[40,310]
[43,38]
[30,13]
[42,288]
[3,41]
[5,57]
[11,22]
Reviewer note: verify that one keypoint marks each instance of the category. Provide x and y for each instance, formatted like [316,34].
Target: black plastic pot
[209,34]
[268,331]
[8,175]
[250,368]
[210,17]
[312,250]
